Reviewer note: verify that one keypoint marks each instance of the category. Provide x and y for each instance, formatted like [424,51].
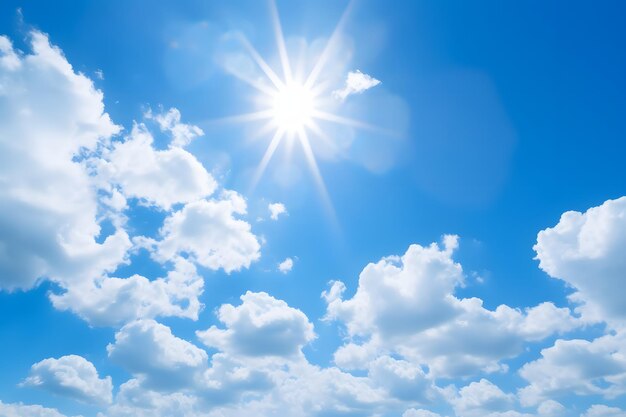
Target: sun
[293,107]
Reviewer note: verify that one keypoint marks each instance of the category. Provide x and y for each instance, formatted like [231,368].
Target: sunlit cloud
[356,83]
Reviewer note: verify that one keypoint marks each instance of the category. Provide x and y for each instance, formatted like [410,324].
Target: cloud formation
[406,305]
[111,301]
[260,326]
[286,265]
[49,216]
[210,233]
[276,209]
[586,250]
[22,410]
[356,83]
[155,177]
[71,376]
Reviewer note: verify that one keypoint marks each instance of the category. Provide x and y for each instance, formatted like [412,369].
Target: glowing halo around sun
[292,107]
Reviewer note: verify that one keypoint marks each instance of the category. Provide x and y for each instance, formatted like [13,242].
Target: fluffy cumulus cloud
[211,234]
[412,412]
[156,177]
[599,410]
[577,366]
[356,83]
[406,305]
[150,351]
[482,398]
[408,334]
[586,250]
[110,301]
[276,209]
[286,265]
[259,369]
[72,376]
[22,410]
[260,326]
[50,118]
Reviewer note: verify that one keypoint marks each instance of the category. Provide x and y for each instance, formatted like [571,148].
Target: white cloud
[259,370]
[412,412]
[586,250]
[260,326]
[112,301]
[134,400]
[150,351]
[482,398]
[182,134]
[51,116]
[276,209]
[71,376]
[158,177]
[356,83]
[209,232]
[577,366]
[286,265]
[22,410]
[599,410]
[402,380]
[406,305]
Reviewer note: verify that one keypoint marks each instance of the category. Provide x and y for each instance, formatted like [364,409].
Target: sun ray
[321,62]
[251,82]
[280,41]
[267,70]
[242,118]
[314,127]
[269,152]
[329,117]
[294,106]
[315,171]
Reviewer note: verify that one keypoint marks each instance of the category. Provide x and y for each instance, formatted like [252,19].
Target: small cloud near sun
[356,83]
[276,209]
[286,265]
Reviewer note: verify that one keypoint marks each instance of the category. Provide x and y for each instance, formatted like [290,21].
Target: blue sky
[458,251]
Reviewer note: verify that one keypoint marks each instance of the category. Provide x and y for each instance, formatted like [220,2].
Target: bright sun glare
[293,107]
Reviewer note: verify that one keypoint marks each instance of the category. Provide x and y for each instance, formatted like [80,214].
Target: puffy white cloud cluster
[114,301]
[22,410]
[599,410]
[157,177]
[72,376]
[63,172]
[211,234]
[260,326]
[49,117]
[586,250]
[406,305]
